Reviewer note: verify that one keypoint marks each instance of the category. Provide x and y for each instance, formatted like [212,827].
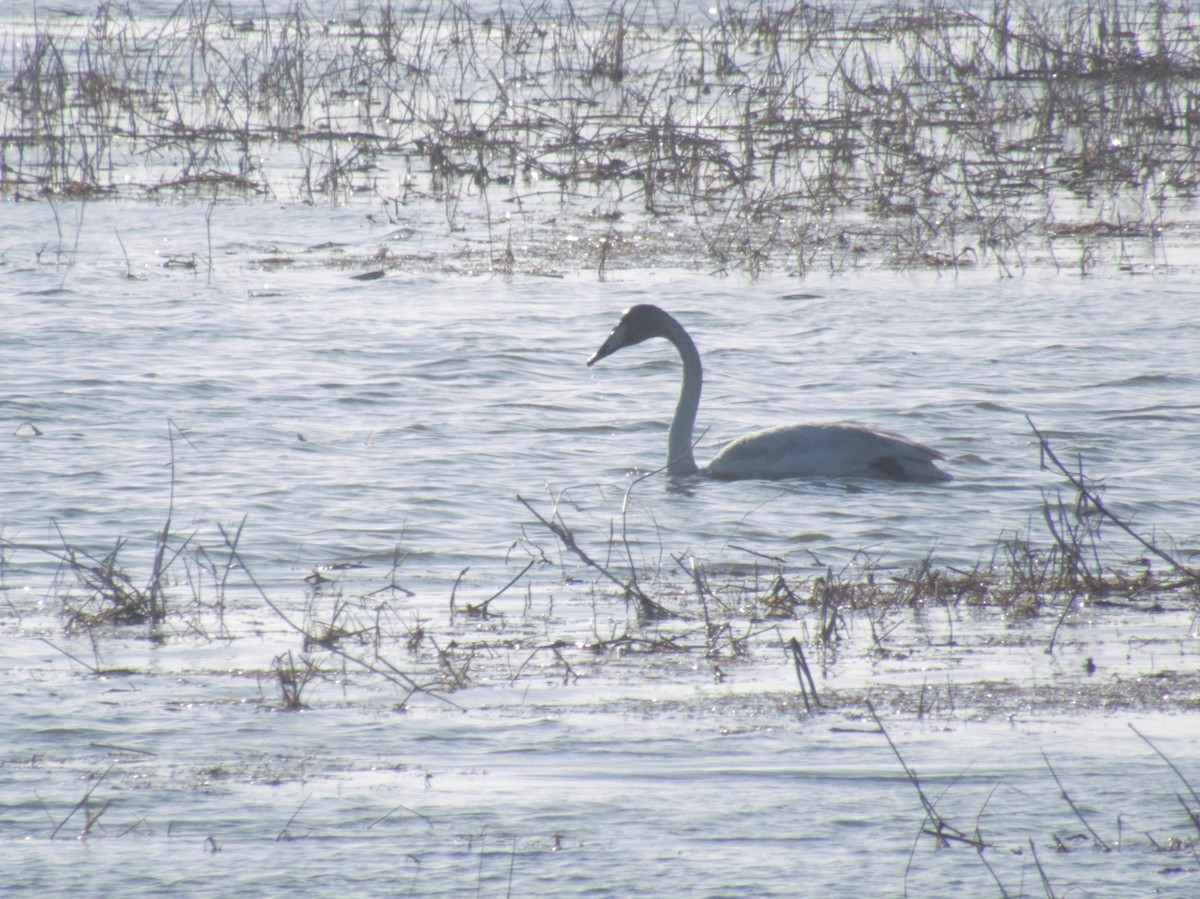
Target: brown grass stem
[1090,496]
[648,607]
[1099,840]
[1192,813]
[481,610]
[378,665]
[942,832]
[84,804]
[803,674]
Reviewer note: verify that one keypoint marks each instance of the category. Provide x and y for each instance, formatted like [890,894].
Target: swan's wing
[826,451]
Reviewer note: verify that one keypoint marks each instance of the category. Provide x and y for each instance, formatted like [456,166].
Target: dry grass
[946,836]
[783,136]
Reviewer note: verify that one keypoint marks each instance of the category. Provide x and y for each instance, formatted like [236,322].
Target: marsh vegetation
[356,637]
[543,140]
[779,136]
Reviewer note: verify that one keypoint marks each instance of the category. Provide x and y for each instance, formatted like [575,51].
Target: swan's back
[825,451]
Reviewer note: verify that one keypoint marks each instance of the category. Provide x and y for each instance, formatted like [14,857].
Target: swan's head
[637,324]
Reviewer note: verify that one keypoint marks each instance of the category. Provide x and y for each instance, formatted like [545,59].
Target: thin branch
[1078,814]
[648,606]
[1098,504]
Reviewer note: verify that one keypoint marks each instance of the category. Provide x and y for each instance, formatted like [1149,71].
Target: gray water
[343,418]
[212,367]
[350,421]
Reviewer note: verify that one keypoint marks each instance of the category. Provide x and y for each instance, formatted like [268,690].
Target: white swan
[789,451]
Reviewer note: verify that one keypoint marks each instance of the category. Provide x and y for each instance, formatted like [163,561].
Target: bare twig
[1078,814]
[942,832]
[648,607]
[1098,504]
[803,673]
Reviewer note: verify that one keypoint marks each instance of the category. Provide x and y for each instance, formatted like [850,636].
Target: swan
[788,451]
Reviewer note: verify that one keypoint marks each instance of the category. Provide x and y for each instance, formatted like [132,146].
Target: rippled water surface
[346,417]
[348,472]
[398,420]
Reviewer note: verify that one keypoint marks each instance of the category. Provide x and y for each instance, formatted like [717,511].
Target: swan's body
[790,451]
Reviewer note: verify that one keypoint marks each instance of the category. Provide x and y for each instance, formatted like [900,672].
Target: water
[347,420]
[344,418]
[215,369]
[503,794]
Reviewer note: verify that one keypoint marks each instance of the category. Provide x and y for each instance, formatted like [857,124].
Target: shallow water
[368,442]
[678,789]
[346,419]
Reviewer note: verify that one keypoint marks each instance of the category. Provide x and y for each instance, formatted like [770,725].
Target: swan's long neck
[679,441]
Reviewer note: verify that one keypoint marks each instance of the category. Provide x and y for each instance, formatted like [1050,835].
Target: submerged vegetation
[540,138]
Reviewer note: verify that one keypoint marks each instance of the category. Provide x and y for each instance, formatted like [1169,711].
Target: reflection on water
[399,419]
[182,779]
[343,418]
